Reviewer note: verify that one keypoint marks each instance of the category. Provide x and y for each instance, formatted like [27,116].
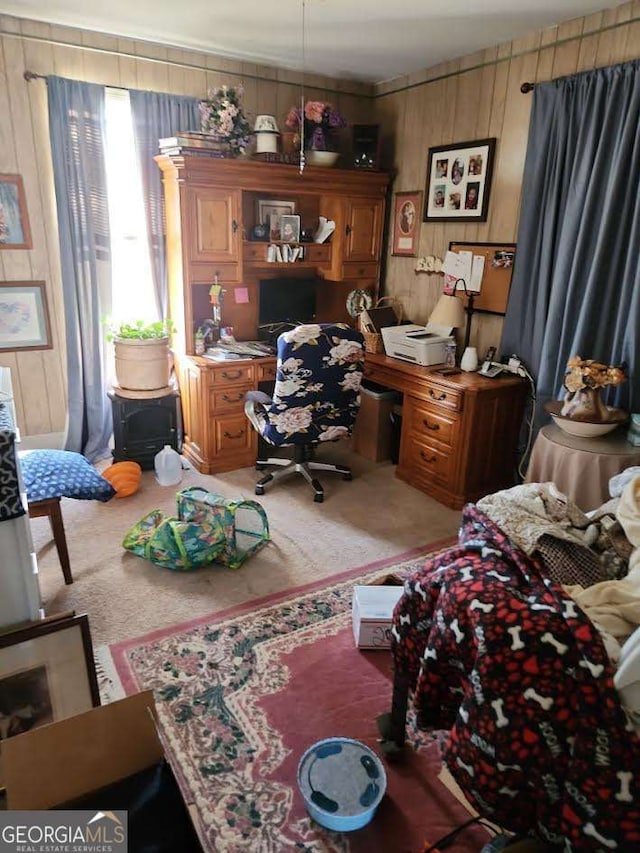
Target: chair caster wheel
[259,490]
[260,467]
[348,476]
[318,498]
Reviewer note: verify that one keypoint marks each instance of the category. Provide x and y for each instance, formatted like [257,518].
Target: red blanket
[496,652]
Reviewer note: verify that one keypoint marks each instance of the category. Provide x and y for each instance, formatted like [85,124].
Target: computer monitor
[287,300]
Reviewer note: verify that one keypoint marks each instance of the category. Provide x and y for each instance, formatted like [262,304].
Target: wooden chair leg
[59,537]
[51,508]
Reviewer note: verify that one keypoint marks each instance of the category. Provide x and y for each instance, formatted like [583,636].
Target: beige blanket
[614,606]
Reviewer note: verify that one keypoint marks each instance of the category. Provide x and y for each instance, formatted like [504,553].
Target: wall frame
[47,673]
[406,223]
[14,220]
[24,316]
[459,181]
[499,259]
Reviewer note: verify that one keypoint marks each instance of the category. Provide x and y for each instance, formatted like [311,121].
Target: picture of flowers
[14,222]
[24,319]
[459,182]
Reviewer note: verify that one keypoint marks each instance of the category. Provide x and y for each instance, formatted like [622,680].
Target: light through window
[132,289]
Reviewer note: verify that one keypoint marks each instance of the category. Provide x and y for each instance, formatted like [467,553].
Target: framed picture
[459,182]
[406,223]
[24,318]
[268,208]
[47,673]
[14,222]
[290,229]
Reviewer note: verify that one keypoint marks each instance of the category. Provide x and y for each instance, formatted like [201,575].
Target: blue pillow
[62,473]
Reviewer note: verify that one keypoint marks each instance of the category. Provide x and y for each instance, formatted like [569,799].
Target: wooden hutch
[211,207]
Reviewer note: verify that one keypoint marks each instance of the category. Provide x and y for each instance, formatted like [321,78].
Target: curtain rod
[525,88]
[31,75]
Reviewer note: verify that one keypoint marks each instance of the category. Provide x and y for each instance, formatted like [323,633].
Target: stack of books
[193,143]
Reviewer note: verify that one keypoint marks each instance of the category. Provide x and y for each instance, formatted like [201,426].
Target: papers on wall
[477,271]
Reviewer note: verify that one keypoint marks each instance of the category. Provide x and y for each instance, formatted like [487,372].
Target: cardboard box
[372,610]
[61,762]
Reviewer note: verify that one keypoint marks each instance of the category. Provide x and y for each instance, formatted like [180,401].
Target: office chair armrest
[255,403]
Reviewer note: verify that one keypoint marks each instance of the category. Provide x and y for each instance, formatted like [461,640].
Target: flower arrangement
[587,373]
[321,121]
[221,115]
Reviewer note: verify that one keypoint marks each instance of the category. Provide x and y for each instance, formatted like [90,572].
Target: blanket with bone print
[498,654]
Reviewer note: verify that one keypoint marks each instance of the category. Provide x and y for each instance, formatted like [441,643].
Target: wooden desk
[580,467]
[459,433]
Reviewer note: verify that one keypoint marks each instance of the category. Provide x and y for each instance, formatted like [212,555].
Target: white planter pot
[142,365]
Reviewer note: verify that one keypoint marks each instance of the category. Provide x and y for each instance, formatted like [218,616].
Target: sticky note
[241,295]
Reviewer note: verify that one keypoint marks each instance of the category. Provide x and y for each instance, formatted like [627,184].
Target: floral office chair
[316,399]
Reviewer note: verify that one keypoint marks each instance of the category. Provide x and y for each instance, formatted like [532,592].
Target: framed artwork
[459,181]
[290,228]
[24,318]
[14,221]
[269,207]
[47,673]
[406,223]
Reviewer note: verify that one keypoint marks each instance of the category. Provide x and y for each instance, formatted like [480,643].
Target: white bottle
[168,466]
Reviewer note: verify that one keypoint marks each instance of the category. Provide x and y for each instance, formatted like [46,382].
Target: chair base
[51,508]
[300,464]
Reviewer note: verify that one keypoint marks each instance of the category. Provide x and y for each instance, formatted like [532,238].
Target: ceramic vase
[585,404]
[469,361]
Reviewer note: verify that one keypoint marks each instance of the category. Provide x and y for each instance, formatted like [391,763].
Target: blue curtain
[157,115]
[576,283]
[76,127]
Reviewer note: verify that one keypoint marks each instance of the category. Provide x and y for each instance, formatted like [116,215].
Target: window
[132,295]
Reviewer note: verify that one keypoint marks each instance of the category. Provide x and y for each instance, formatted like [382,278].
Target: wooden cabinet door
[363,229]
[215,230]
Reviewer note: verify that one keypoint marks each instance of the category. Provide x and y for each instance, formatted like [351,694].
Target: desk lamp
[449,311]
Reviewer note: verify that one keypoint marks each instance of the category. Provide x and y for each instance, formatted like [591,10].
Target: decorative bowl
[586,429]
[342,782]
[321,158]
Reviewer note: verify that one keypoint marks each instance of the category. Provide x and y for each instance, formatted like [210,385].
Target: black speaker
[366,146]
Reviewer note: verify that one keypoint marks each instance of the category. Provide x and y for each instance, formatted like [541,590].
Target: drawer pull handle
[235,375]
[433,427]
[428,458]
[229,399]
[232,435]
[361,271]
[441,396]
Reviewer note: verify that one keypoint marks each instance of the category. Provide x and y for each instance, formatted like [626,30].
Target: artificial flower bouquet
[320,123]
[221,116]
[587,373]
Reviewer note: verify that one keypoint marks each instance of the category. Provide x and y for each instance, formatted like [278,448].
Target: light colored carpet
[373,517]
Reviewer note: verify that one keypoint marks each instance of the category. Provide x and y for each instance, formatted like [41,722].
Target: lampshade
[449,311]
[265,124]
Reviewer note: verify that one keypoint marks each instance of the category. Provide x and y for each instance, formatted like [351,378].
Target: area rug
[241,695]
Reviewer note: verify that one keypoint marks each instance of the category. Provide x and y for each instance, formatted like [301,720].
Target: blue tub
[342,782]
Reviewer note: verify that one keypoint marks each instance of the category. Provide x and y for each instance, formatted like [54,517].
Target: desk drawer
[231,374]
[436,395]
[357,271]
[427,462]
[231,433]
[267,372]
[428,423]
[228,399]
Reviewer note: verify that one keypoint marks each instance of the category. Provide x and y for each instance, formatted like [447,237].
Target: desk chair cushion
[61,473]
[317,390]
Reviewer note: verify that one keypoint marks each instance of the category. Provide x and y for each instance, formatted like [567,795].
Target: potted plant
[142,357]
[222,117]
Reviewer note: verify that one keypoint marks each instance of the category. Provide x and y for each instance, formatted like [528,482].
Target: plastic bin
[373,429]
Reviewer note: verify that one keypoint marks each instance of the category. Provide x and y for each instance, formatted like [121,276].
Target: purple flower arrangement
[321,121]
[221,116]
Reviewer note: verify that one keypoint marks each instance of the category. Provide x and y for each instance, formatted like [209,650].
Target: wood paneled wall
[39,378]
[475,97]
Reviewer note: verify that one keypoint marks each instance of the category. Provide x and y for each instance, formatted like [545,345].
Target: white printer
[422,345]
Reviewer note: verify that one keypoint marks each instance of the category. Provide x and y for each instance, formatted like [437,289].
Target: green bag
[244,522]
[173,543]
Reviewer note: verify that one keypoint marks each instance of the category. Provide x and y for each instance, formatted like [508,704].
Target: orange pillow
[124,477]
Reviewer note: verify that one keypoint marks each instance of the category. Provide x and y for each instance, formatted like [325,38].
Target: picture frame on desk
[459,181]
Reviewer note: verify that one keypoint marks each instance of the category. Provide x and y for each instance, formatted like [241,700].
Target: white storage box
[372,610]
